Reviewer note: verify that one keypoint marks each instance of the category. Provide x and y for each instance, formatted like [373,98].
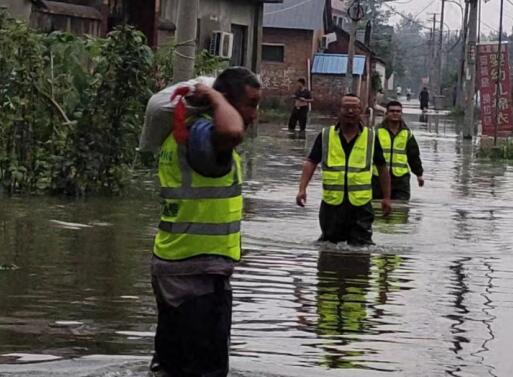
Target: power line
[408,18]
[423,9]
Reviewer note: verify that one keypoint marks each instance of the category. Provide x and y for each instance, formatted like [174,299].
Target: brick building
[242,19]
[303,40]
[339,12]
[328,79]
[292,33]
[239,20]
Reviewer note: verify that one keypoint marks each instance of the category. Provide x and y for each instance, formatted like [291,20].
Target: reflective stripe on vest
[200,215]
[395,155]
[358,168]
[206,229]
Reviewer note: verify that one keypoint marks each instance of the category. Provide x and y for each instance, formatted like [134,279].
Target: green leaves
[71,108]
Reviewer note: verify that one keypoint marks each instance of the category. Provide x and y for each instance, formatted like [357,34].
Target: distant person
[398,91]
[302,98]
[346,152]
[401,154]
[408,94]
[424,99]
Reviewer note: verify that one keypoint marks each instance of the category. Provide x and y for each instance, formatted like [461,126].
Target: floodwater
[432,298]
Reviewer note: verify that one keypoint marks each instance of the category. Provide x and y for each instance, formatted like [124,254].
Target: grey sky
[490,13]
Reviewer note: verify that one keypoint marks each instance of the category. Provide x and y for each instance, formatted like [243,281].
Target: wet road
[432,298]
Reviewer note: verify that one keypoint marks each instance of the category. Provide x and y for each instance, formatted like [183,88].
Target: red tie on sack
[180,131]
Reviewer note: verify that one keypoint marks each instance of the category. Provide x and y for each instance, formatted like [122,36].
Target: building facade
[292,34]
[239,20]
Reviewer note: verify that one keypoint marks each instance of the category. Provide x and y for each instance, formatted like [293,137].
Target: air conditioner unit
[221,44]
[327,39]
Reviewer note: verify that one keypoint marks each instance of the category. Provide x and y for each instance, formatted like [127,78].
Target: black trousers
[346,222]
[298,115]
[400,188]
[193,339]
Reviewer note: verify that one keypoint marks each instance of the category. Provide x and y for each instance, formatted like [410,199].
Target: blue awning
[336,64]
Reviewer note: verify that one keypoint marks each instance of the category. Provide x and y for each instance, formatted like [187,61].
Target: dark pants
[346,222]
[298,115]
[193,339]
[400,188]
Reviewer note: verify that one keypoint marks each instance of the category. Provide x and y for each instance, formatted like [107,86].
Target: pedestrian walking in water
[302,98]
[401,154]
[198,240]
[424,99]
[346,152]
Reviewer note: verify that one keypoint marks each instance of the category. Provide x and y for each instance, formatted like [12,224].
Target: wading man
[347,152]
[401,154]
[302,98]
[198,241]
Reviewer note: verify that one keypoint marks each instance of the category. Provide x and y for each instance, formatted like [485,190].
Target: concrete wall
[220,15]
[19,9]
[279,78]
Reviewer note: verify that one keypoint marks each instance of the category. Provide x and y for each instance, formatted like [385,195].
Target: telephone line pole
[470,72]
[185,51]
[433,60]
[438,67]
[461,70]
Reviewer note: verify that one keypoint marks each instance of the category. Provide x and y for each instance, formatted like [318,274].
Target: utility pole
[470,72]
[355,13]
[438,60]
[461,70]
[479,21]
[185,51]
[432,62]
[499,77]
[350,81]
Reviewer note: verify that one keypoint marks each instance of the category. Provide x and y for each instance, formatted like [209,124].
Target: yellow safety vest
[395,155]
[357,173]
[200,215]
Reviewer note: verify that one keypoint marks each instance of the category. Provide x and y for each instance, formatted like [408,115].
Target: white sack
[159,114]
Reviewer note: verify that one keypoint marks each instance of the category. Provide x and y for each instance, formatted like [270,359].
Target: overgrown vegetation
[502,151]
[71,108]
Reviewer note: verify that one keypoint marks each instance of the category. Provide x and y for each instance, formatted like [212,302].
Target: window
[273,53]
[239,44]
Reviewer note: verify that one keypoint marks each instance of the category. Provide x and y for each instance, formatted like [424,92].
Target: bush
[502,151]
[71,109]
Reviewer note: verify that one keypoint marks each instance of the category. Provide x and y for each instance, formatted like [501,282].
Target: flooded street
[432,298]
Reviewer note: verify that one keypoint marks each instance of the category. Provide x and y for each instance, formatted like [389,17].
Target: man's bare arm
[308,172]
[228,123]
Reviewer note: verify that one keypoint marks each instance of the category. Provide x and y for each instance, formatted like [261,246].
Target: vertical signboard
[496,106]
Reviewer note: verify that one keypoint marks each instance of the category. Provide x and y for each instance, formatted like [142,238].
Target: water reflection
[352,291]
[341,299]
[432,298]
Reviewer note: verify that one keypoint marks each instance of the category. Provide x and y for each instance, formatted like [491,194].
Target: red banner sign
[488,72]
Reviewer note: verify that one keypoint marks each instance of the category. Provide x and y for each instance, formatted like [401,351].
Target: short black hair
[302,81]
[394,103]
[232,82]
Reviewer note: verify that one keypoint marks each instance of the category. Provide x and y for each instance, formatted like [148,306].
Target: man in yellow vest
[198,241]
[401,153]
[347,152]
